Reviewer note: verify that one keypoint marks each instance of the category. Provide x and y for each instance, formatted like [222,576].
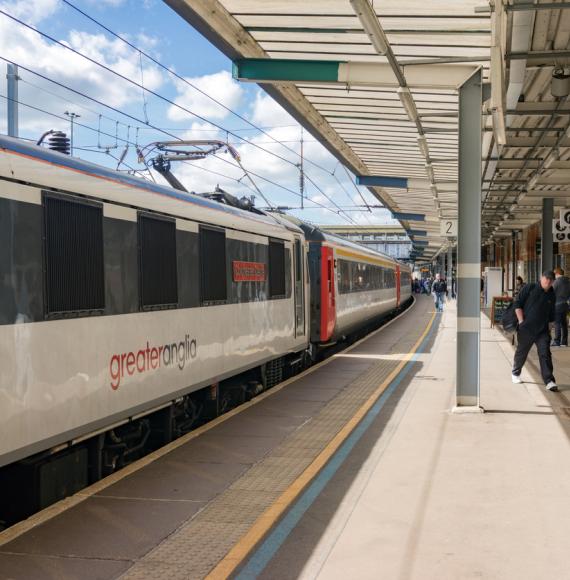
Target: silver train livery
[129,310]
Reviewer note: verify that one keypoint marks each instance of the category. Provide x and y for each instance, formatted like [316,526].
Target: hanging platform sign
[248,271]
[560,230]
[448,228]
[565,217]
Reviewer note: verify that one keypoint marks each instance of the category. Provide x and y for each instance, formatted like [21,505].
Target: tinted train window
[73,253]
[298,261]
[157,247]
[276,269]
[360,277]
[213,265]
[344,277]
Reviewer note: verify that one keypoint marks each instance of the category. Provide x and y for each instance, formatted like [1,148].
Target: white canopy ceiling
[526,149]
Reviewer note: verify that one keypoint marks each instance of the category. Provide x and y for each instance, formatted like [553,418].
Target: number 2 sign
[448,228]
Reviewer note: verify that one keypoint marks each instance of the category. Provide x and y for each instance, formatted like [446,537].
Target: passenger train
[130,310]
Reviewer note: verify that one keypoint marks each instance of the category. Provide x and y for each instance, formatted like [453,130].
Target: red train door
[328,302]
[398,274]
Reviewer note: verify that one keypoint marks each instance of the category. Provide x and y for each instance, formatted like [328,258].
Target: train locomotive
[129,311]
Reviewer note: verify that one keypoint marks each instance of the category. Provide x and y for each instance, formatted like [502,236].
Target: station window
[157,247]
[74,266]
[276,269]
[213,265]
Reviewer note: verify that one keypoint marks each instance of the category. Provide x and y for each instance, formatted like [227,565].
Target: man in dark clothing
[535,308]
[439,289]
[562,290]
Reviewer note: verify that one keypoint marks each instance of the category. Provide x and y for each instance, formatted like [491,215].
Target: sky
[116,116]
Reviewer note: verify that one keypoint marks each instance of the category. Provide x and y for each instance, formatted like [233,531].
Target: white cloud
[31,12]
[268,113]
[30,50]
[220,85]
[202,131]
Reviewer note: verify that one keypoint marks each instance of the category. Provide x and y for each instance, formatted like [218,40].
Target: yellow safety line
[270,516]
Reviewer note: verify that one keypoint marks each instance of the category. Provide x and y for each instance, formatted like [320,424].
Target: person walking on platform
[439,289]
[535,308]
[562,290]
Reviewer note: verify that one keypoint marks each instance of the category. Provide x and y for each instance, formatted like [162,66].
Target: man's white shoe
[516,379]
[552,387]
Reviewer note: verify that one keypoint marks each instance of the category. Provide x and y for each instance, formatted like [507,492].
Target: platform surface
[355,469]
[441,495]
[179,512]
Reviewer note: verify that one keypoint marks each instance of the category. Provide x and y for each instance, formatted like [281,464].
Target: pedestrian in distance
[439,290]
[519,285]
[534,309]
[562,290]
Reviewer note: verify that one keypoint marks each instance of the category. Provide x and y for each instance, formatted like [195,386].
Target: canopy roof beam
[350,74]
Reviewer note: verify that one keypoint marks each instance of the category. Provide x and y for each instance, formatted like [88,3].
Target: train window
[157,262]
[344,277]
[298,261]
[276,269]
[73,251]
[213,264]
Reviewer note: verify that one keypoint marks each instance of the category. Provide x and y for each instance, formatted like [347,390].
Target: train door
[328,299]
[299,288]
[398,286]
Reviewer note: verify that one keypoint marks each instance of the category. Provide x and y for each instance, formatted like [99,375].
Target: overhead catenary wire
[356,187]
[77,104]
[150,91]
[82,125]
[183,79]
[27,69]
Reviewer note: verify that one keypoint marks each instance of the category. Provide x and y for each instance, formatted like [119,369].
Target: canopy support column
[450,271]
[547,257]
[469,245]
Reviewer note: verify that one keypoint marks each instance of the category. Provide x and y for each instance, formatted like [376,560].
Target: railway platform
[355,468]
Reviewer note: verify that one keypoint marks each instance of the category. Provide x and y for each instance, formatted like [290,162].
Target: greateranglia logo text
[150,359]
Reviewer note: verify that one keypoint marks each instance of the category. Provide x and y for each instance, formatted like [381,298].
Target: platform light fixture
[499,127]
[423,145]
[430,174]
[550,159]
[371,25]
[533,181]
[408,103]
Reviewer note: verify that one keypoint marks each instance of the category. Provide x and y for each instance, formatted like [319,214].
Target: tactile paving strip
[197,546]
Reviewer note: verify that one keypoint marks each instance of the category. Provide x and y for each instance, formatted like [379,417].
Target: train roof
[44,168]
[314,233]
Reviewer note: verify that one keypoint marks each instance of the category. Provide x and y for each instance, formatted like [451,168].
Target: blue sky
[103,135]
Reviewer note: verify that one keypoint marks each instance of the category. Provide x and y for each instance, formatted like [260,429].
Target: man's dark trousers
[525,340]
[561,324]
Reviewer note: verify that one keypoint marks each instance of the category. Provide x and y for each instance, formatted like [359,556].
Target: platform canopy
[376,83]
[532,160]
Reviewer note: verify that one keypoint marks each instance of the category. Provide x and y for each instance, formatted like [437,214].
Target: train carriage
[353,286]
[118,295]
[127,308]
